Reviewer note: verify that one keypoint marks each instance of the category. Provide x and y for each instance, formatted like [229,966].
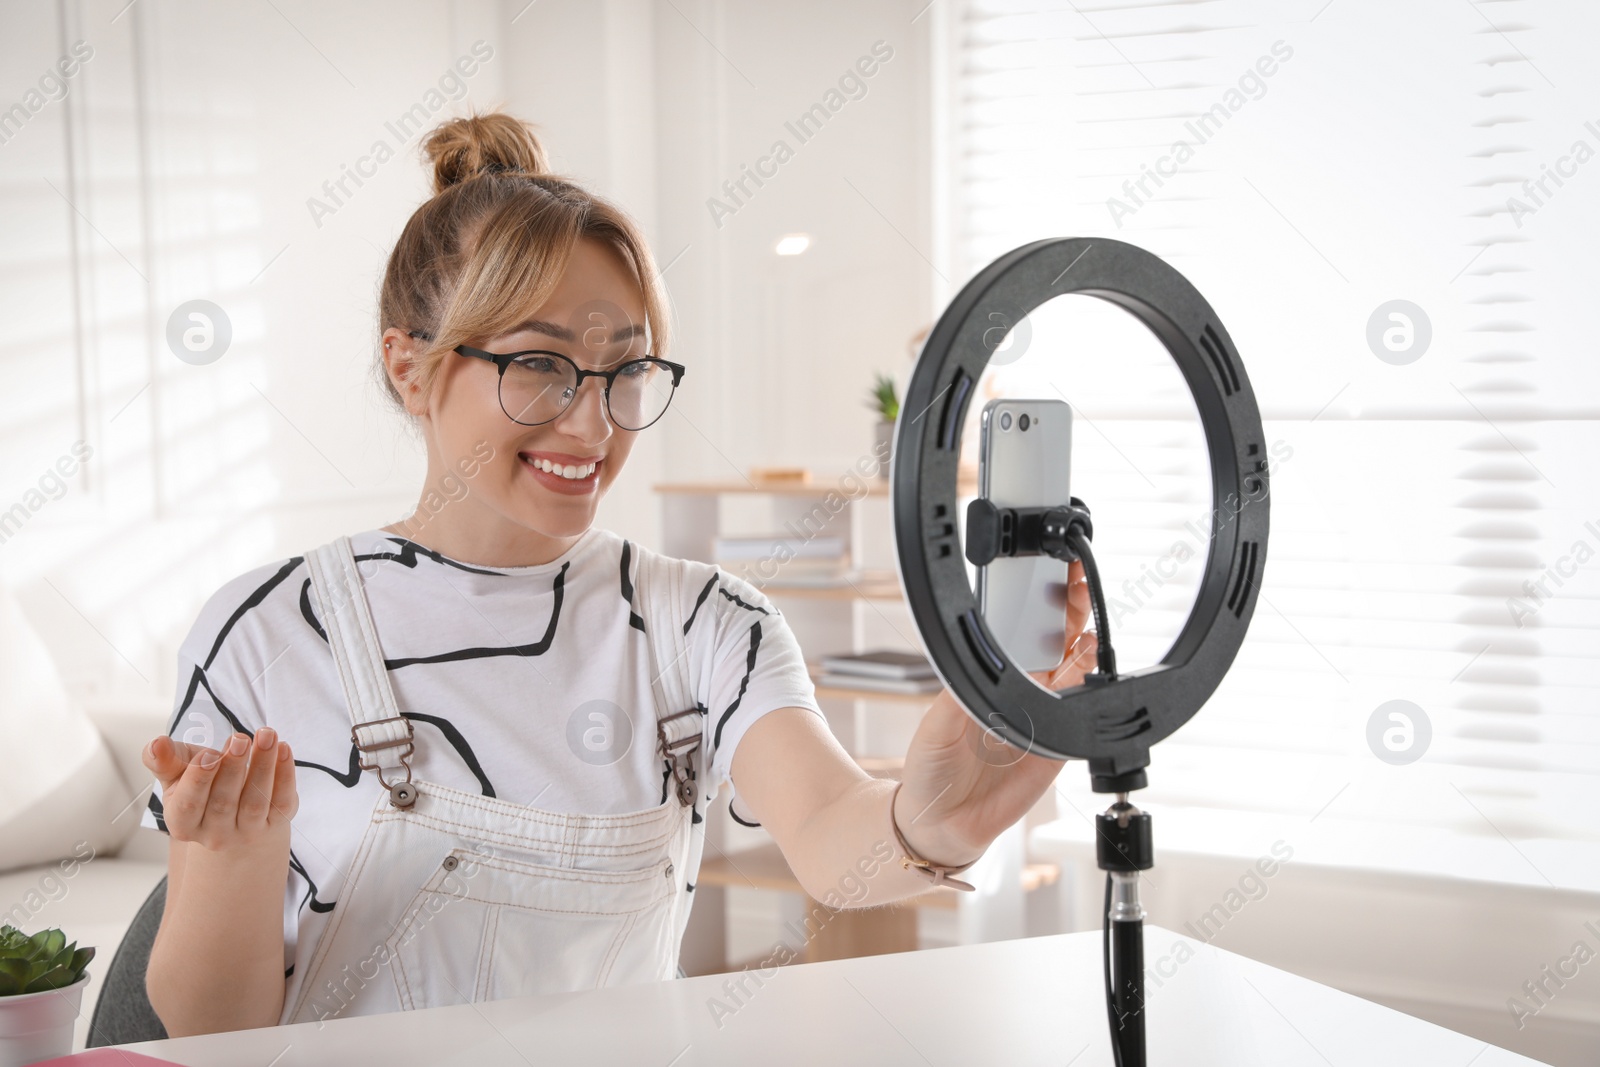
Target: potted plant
[41,992]
[887,405]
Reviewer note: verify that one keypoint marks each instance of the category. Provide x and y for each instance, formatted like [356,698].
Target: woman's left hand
[963,784]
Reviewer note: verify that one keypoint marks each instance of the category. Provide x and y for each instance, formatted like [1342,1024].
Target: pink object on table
[108,1057]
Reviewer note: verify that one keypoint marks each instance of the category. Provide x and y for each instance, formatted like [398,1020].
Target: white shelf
[827,620]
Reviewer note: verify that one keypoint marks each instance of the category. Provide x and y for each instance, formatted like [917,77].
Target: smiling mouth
[571,472]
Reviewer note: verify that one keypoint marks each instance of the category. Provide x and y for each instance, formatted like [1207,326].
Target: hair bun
[494,142]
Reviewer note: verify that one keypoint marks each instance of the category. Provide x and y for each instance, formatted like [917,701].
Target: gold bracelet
[936,873]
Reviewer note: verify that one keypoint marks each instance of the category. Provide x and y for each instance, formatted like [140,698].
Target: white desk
[1028,1001]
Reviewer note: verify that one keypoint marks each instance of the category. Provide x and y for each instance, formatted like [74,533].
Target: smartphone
[1025,460]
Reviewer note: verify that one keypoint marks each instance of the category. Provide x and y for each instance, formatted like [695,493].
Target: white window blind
[1435,529]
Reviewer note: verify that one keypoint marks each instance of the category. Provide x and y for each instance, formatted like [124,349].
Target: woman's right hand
[240,800]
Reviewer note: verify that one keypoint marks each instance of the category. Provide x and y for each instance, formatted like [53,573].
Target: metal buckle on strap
[679,752]
[403,794]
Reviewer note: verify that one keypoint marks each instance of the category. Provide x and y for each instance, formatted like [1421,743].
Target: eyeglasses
[536,386]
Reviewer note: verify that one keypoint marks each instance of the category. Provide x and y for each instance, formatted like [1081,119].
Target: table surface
[1028,1001]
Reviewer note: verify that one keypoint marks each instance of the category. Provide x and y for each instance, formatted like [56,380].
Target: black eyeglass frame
[504,360]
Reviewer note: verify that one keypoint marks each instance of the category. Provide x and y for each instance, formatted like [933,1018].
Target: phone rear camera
[1022,423]
[1005,420]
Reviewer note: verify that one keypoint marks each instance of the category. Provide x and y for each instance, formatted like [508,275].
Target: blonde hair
[493,243]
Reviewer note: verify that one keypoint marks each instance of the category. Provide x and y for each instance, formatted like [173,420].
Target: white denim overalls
[455,897]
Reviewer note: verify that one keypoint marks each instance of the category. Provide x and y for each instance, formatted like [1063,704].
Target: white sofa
[72,853]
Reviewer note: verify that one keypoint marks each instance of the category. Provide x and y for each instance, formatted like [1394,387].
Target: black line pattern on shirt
[627,588]
[535,648]
[737,819]
[701,599]
[307,612]
[688,885]
[251,601]
[409,550]
[459,742]
[351,775]
[749,668]
[317,905]
[750,607]
[705,767]
[197,678]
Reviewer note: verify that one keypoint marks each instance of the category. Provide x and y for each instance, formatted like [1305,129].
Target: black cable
[1067,537]
[1105,956]
[1077,541]
[1106,658]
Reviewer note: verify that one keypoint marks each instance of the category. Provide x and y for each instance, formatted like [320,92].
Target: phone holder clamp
[1063,533]
[994,531]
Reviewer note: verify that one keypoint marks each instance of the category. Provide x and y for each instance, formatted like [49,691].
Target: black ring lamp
[1112,726]
[1112,720]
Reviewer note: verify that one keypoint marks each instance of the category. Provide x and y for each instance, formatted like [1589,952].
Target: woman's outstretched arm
[217,960]
[961,788]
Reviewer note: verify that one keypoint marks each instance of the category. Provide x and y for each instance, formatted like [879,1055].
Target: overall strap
[680,726]
[380,733]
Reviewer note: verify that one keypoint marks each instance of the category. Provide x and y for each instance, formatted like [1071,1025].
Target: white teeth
[567,471]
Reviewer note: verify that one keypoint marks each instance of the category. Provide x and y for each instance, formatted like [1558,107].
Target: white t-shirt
[531,684]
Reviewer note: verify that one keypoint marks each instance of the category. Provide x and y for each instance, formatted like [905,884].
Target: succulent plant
[43,961]
[884,401]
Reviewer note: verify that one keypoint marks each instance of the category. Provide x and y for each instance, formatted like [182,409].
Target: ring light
[1112,725]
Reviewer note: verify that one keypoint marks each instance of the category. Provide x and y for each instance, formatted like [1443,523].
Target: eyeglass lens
[535,389]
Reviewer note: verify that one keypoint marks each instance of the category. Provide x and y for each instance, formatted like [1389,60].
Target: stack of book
[884,670]
[783,559]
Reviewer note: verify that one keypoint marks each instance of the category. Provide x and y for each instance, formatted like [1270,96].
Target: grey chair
[123,1012]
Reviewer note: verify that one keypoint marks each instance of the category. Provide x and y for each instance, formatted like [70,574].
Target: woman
[508,722]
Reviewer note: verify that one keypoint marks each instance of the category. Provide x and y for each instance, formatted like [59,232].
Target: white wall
[784,348]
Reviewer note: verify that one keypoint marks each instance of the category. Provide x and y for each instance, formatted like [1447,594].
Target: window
[1434,527]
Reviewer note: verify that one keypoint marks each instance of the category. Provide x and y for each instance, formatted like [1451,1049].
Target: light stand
[1113,719]
[1124,848]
